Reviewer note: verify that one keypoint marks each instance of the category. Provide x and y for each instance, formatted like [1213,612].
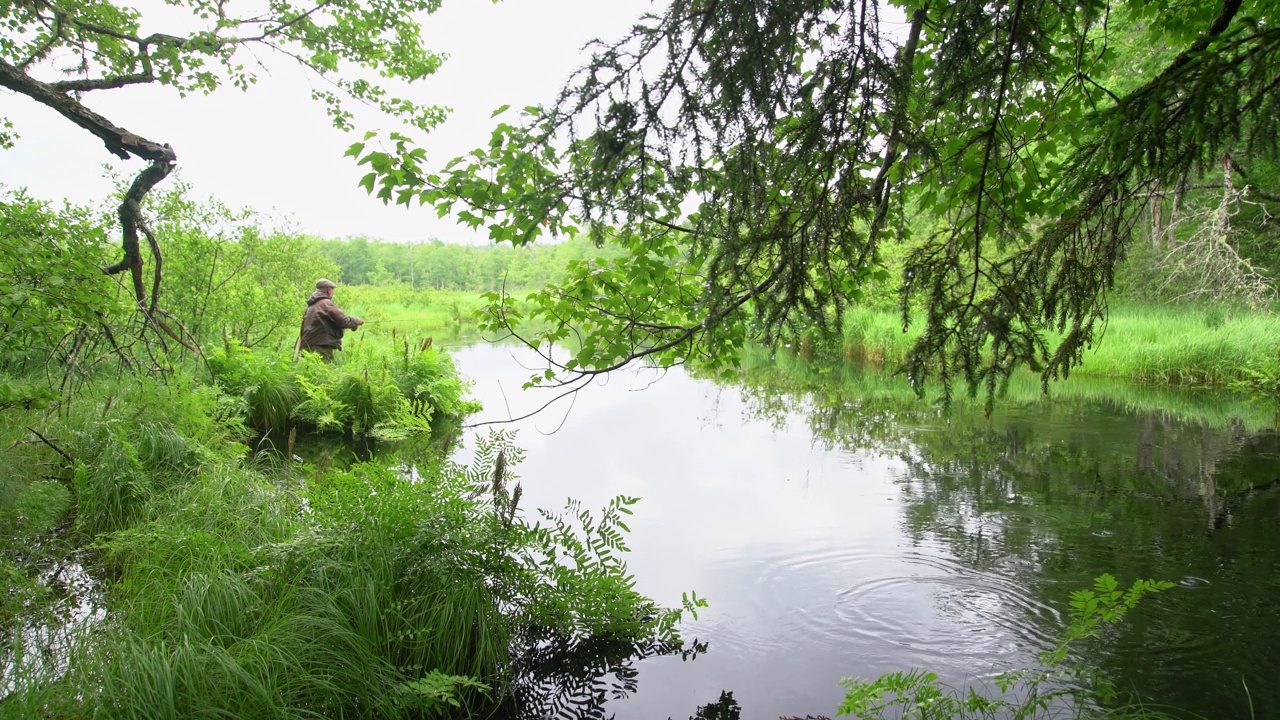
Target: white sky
[274,149]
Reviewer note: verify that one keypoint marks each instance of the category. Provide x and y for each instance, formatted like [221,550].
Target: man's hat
[323,283]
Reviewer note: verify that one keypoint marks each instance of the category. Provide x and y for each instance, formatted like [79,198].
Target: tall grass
[232,603]
[445,313]
[304,592]
[1184,346]
[1188,346]
[877,336]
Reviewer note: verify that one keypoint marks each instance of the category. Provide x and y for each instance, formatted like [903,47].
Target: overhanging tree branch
[107,83]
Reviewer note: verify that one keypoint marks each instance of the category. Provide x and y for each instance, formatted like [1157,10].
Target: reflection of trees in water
[1050,493]
[573,678]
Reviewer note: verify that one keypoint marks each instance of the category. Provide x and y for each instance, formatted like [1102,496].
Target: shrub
[375,389]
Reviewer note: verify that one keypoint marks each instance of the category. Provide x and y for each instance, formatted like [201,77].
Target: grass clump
[876,336]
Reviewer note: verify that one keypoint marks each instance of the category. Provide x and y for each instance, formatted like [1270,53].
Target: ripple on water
[893,606]
[960,613]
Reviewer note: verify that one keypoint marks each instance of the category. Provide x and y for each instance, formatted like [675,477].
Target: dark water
[839,527]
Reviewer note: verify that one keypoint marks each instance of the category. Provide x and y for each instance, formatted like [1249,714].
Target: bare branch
[70,460]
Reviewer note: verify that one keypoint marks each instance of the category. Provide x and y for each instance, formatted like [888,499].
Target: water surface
[839,527]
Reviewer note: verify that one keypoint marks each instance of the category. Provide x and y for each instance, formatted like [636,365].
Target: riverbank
[787,371]
[1187,347]
[1191,347]
[160,567]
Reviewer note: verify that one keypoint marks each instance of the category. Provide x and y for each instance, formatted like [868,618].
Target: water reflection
[841,527]
[39,645]
[1045,494]
[561,677]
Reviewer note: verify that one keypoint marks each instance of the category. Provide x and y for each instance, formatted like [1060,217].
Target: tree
[228,275]
[755,156]
[56,51]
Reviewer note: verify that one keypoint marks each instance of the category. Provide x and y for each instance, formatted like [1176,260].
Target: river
[839,527]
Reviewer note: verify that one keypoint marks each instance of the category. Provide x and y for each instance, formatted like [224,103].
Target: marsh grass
[397,308]
[1186,346]
[869,384]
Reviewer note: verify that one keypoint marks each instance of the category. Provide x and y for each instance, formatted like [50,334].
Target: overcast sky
[272,148]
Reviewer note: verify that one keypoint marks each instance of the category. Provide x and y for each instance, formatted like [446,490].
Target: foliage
[360,47]
[440,690]
[436,265]
[50,280]
[375,389]
[594,310]
[1024,145]
[1043,692]
[228,275]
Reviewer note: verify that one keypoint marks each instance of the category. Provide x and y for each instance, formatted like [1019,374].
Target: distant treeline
[435,265]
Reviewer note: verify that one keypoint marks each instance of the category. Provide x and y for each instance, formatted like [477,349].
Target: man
[323,322]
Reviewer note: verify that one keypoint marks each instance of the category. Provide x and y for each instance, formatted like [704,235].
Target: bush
[227,273]
[375,389]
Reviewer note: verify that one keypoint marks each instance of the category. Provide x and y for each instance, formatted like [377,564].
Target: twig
[49,442]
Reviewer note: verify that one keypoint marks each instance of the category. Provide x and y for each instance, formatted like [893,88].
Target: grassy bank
[220,582]
[793,373]
[1193,347]
[1161,345]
